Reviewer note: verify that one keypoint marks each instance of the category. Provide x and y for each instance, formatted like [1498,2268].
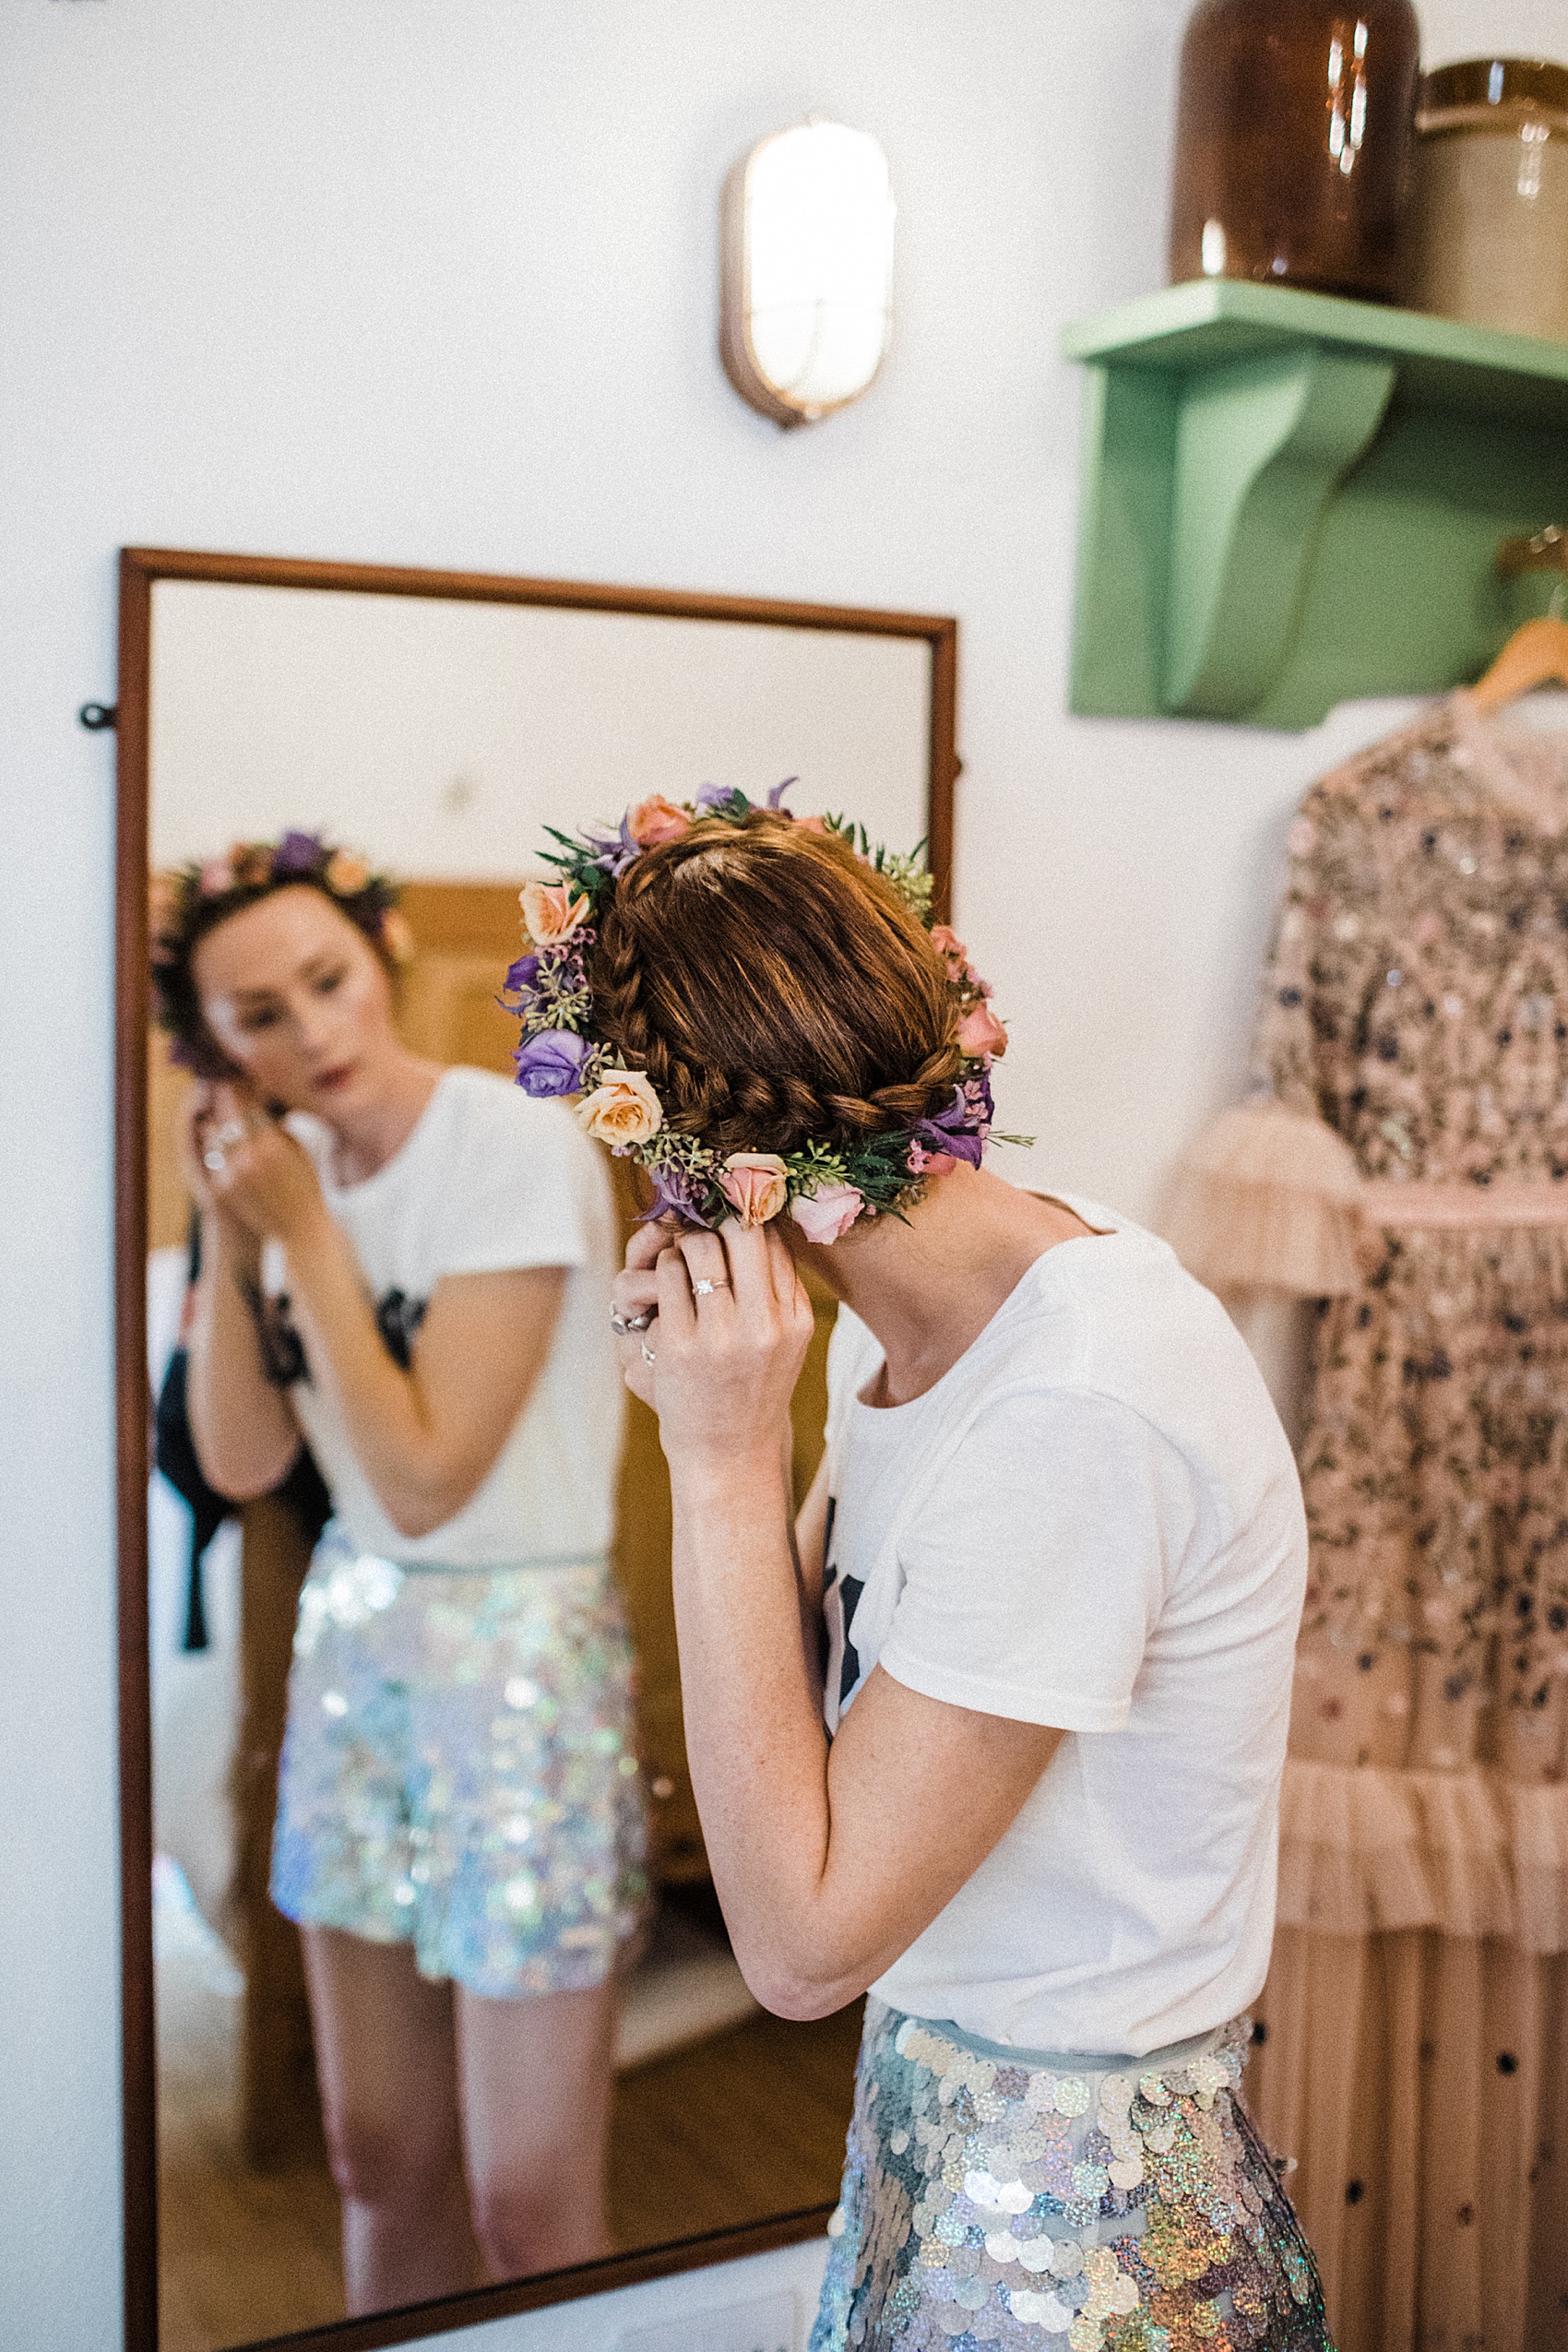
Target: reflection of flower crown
[561,1053]
[183,901]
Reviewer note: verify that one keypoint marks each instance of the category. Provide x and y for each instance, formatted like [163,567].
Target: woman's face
[300,1003]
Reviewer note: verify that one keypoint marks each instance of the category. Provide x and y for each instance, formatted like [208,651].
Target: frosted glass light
[808,270]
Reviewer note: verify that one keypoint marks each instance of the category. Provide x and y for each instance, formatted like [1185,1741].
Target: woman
[996,1729]
[404,1265]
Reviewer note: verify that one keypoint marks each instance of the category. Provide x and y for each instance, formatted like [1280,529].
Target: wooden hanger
[1535,655]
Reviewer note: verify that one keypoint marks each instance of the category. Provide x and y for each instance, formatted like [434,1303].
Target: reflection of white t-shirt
[488,1181]
[1092,1520]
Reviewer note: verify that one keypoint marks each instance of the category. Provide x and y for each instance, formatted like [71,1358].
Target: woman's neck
[927,1285]
[366,1137]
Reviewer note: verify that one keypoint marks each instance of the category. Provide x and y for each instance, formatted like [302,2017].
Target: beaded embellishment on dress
[990,2206]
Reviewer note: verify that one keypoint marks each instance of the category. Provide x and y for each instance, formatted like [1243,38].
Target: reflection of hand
[733,1327]
[254,1168]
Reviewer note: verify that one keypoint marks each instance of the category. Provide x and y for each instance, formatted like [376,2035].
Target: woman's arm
[426,1438]
[828,1861]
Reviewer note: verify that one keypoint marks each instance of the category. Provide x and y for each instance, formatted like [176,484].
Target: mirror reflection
[443,1992]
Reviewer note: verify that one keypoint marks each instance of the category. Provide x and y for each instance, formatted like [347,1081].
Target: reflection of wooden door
[465,934]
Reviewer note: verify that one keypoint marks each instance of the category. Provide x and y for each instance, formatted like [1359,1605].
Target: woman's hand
[250,1168]
[731,1333]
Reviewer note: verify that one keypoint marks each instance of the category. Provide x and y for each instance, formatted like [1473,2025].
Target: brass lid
[1508,90]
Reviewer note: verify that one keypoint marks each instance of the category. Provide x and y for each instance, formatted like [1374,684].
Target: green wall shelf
[1291,501]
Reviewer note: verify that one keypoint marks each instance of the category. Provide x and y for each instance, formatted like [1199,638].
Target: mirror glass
[512,1978]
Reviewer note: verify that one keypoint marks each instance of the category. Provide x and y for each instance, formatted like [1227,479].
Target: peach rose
[655,820]
[979,1032]
[163,901]
[395,936]
[946,941]
[828,1213]
[217,876]
[346,873]
[551,913]
[812,824]
[755,1185]
[623,1109]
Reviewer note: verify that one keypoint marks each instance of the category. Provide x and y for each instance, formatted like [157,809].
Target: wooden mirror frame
[140,568]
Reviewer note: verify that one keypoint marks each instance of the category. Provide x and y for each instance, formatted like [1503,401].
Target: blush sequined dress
[1403,1163]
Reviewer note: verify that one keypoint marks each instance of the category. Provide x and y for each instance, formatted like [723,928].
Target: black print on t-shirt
[397,1317]
[850,1588]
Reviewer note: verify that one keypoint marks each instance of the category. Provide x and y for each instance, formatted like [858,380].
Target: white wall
[431,281]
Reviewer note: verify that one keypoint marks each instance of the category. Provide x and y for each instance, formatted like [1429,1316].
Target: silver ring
[624,1326]
[705,1289]
[648,1356]
[214,1159]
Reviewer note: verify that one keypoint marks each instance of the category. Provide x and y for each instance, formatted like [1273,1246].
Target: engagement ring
[705,1287]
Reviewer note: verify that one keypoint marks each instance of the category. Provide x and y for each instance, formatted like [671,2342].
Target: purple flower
[675,1194]
[775,798]
[522,976]
[550,1062]
[960,1130]
[297,853]
[723,800]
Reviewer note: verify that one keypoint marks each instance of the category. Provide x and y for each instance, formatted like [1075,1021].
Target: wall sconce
[807,270]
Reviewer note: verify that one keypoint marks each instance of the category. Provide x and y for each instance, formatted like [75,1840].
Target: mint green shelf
[1289,500]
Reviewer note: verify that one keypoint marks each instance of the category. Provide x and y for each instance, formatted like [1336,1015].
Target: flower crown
[182,896]
[824,1190]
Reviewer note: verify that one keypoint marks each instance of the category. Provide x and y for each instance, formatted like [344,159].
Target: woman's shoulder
[484,1102]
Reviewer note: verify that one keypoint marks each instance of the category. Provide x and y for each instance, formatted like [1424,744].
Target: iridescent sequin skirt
[1000,2199]
[459,1769]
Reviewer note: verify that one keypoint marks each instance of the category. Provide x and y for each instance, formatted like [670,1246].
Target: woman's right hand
[635,1291]
[198,1132]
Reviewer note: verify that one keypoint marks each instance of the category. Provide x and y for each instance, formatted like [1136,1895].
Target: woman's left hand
[257,1169]
[731,1334]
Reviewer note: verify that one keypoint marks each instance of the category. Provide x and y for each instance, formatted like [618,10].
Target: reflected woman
[995,1728]
[404,1265]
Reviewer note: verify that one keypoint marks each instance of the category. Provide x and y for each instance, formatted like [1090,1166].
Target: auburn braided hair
[775,988]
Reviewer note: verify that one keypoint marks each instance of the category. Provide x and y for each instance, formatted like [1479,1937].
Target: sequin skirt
[1003,2199]
[460,1770]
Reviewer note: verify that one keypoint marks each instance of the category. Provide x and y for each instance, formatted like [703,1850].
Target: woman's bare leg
[535,2084]
[386,2060]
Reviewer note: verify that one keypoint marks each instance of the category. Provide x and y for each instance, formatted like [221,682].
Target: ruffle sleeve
[1265,1199]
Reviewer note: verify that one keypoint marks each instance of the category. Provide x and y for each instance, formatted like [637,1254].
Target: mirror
[504,1974]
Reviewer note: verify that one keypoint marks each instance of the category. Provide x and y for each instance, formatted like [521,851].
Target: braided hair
[775,989]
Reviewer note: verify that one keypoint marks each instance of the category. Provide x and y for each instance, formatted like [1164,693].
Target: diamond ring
[705,1289]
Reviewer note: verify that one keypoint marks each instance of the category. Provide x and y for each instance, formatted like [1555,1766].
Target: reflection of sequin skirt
[996,2198]
[460,1772]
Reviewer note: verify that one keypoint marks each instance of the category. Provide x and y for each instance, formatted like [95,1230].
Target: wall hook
[98,717]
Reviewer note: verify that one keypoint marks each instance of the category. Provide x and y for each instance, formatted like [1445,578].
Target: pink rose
[947,943]
[755,1183]
[979,1032]
[217,876]
[812,824]
[655,820]
[549,910]
[828,1212]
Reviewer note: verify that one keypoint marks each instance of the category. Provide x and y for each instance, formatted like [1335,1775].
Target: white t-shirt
[488,1181]
[1092,1520]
